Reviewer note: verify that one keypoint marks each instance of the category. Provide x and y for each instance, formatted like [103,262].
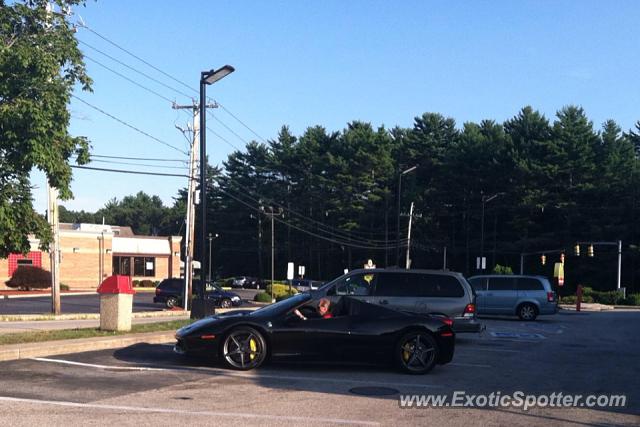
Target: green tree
[39,65]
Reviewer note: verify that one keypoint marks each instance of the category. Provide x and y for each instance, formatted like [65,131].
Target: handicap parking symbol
[517,335]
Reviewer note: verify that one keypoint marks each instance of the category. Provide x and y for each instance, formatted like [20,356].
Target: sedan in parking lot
[170,292]
[355,331]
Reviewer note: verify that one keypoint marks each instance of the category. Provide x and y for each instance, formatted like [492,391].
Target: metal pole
[408,260]
[398,222]
[521,263]
[209,271]
[203,183]
[482,236]
[273,246]
[619,262]
[444,266]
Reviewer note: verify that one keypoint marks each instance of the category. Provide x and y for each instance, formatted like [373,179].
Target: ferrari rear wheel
[244,348]
[417,352]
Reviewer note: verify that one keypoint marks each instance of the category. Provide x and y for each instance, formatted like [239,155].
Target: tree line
[535,184]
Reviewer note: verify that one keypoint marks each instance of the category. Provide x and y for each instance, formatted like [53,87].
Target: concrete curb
[67,294]
[598,307]
[89,316]
[85,316]
[50,348]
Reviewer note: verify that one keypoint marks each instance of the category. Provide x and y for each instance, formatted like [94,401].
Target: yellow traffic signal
[590,251]
[543,259]
[576,250]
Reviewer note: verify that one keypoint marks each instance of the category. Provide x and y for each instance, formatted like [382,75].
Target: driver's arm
[300,315]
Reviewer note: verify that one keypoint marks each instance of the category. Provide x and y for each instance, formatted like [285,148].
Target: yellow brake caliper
[253,346]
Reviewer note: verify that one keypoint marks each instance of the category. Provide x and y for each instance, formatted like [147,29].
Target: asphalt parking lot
[573,353]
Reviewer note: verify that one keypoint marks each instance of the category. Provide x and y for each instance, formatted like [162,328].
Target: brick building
[91,252]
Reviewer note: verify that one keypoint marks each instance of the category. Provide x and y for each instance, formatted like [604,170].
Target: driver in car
[322,310]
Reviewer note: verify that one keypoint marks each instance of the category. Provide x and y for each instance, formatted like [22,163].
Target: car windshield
[212,287]
[282,306]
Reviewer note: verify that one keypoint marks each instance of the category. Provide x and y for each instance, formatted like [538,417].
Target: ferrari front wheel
[417,352]
[243,348]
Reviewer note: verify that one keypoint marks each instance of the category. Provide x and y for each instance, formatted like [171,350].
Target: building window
[144,266]
[24,262]
[122,265]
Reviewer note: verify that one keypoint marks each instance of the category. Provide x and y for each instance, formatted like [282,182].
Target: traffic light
[590,251]
[562,257]
[576,250]
[543,259]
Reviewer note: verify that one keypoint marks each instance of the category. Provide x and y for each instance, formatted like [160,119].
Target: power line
[340,233]
[338,242]
[241,122]
[136,57]
[138,158]
[130,126]
[136,70]
[141,164]
[130,80]
[337,233]
[131,172]
[163,73]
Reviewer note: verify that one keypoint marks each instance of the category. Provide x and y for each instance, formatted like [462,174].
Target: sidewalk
[87,320]
[12,293]
[598,307]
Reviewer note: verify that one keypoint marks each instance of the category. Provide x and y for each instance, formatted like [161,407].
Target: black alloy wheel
[171,302]
[417,352]
[244,348]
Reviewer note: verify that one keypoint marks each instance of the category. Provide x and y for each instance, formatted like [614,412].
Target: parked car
[515,295]
[434,292]
[357,332]
[304,285]
[171,293]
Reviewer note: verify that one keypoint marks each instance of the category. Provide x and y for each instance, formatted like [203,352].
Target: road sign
[290,271]
[481,263]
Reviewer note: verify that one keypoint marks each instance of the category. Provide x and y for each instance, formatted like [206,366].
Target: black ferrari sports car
[355,332]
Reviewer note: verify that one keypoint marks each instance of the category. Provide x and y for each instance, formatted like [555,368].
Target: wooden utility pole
[54,249]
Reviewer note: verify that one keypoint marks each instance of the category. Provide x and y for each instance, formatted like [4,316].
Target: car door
[502,295]
[311,339]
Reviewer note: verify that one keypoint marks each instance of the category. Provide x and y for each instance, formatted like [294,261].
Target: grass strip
[69,334]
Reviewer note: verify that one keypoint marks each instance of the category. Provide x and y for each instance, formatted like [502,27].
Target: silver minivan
[522,296]
[418,291]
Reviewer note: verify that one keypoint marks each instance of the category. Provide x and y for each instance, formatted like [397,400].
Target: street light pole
[411,169]
[485,200]
[209,271]
[206,78]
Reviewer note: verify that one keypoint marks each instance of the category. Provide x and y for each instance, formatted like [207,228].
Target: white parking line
[258,375]
[473,365]
[299,420]
[494,350]
[91,365]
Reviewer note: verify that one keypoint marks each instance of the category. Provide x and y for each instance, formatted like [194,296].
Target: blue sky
[303,63]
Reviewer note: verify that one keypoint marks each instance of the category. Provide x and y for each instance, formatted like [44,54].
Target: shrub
[64,287]
[280,289]
[135,283]
[146,283]
[610,297]
[28,277]
[571,299]
[262,297]
[502,269]
[632,299]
